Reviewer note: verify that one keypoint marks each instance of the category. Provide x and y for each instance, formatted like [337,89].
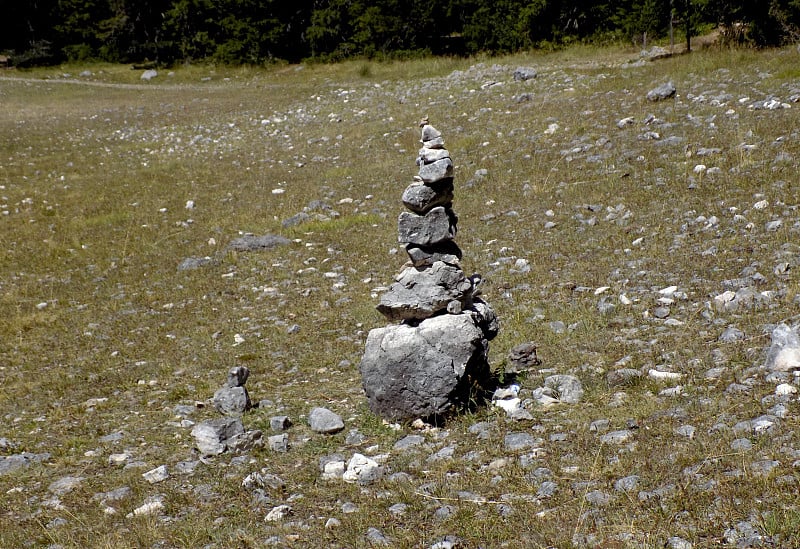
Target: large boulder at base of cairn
[421,371]
[433,360]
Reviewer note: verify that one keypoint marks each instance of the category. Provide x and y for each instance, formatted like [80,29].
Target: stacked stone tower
[437,354]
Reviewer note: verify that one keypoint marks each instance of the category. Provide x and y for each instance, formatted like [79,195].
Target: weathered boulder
[421,198]
[436,226]
[421,293]
[421,371]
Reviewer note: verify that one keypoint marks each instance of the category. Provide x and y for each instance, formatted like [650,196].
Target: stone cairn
[438,353]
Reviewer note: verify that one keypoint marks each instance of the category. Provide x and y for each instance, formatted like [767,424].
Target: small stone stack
[432,360]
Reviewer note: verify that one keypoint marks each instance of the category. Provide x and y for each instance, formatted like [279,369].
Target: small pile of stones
[429,362]
[228,433]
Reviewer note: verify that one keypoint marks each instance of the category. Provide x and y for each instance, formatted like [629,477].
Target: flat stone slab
[420,294]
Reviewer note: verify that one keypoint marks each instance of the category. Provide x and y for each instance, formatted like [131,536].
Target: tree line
[263,31]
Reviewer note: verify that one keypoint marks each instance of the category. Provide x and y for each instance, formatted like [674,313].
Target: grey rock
[522,358]
[354,438]
[678,543]
[436,226]
[237,376]
[547,489]
[420,371]
[429,133]
[278,443]
[445,512]
[398,509]
[362,470]
[598,497]
[246,441]
[64,485]
[617,437]
[280,423]
[264,480]
[661,312]
[447,252]
[664,91]
[568,388]
[349,508]
[322,420]
[731,334]
[627,484]
[149,75]
[231,400]
[117,494]
[444,454]
[409,441]
[428,156]
[741,445]
[519,441]
[435,143]
[186,467]
[297,219]
[744,535]
[376,538]
[212,436]
[13,462]
[485,318]
[252,243]
[421,198]
[192,263]
[158,474]
[763,467]
[522,74]
[436,171]
[332,466]
[421,293]
[784,351]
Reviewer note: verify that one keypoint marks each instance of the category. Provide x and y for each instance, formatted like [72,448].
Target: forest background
[167,32]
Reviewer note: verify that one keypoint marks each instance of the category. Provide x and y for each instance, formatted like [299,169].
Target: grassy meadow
[575,223]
